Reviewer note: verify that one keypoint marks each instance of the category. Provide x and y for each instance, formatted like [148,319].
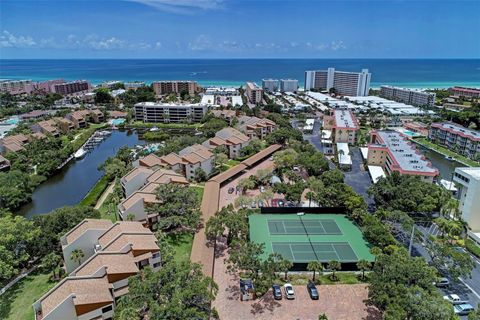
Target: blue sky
[239,29]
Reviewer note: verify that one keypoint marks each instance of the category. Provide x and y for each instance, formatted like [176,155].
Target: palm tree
[309,196]
[130,217]
[314,266]
[77,255]
[50,262]
[363,265]
[334,265]
[284,265]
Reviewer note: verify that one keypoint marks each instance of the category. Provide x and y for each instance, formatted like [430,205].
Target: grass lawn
[302,279]
[182,243]
[16,303]
[104,212]
[95,193]
[199,191]
[232,162]
[445,151]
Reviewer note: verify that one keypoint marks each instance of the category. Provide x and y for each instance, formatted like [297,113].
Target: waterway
[72,183]
[446,167]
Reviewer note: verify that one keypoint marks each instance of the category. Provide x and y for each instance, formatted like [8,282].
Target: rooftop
[121,227]
[345,119]
[79,229]
[115,262]
[405,153]
[473,172]
[458,129]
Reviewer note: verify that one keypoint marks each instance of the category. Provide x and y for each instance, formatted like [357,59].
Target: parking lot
[338,302]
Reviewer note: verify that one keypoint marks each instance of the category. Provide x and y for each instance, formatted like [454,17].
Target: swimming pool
[410,133]
[11,121]
[118,121]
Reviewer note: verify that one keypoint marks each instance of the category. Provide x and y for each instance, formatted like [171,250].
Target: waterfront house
[47,127]
[13,143]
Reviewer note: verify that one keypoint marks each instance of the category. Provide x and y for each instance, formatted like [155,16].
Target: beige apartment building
[167,87]
[343,125]
[113,253]
[255,127]
[231,138]
[254,93]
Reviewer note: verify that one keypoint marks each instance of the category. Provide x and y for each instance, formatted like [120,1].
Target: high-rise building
[288,85]
[344,83]
[169,112]
[67,88]
[254,93]
[166,87]
[468,180]
[414,97]
[270,85]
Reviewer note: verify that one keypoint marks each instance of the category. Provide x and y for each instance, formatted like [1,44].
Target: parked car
[312,290]
[231,190]
[442,283]
[289,292]
[253,205]
[262,189]
[261,204]
[453,298]
[277,292]
[463,309]
[281,203]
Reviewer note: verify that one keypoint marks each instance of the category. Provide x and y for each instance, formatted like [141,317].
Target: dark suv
[312,291]
[277,292]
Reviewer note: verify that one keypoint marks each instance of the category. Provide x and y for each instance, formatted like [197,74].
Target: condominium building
[344,83]
[414,97]
[196,157]
[456,138]
[270,85]
[468,180]
[16,86]
[255,127]
[394,152]
[167,87]
[254,93]
[110,84]
[221,91]
[46,127]
[81,117]
[343,125]
[465,92]
[46,86]
[72,87]
[113,252]
[169,112]
[288,85]
[231,138]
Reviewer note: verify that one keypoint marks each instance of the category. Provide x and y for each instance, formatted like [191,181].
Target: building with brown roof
[150,161]
[117,114]
[226,114]
[255,127]
[119,251]
[13,143]
[197,157]
[4,164]
[48,127]
[81,117]
[231,138]
[64,124]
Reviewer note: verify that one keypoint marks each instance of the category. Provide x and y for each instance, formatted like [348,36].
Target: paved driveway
[338,302]
[358,178]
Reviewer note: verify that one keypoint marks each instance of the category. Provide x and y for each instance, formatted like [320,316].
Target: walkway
[203,251]
[105,195]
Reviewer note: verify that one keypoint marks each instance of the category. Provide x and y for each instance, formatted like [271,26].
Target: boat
[105,133]
[154,129]
[449,158]
[80,153]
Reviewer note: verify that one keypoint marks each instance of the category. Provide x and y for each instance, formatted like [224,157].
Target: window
[156,265]
[107,309]
[156,255]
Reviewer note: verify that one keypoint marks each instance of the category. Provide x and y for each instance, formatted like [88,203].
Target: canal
[446,167]
[70,185]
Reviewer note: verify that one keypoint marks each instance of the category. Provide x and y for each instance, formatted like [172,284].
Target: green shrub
[472,247]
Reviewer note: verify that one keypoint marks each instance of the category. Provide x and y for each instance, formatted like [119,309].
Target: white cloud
[158,45]
[9,40]
[337,45]
[201,43]
[182,6]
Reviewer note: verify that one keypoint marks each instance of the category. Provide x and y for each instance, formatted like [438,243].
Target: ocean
[415,73]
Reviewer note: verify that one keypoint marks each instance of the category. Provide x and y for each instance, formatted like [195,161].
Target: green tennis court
[309,237]
[320,226]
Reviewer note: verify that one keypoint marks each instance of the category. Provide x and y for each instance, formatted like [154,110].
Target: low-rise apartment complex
[344,126]
[414,97]
[167,87]
[169,112]
[16,86]
[13,143]
[456,138]
[254,93]
[344,83]
[112,253]
[394,152]
[255,127]
[468,180]
[231,138]
[465,92]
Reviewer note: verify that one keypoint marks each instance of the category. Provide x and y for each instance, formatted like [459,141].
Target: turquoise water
[118,121]
[409,133]
[426,73]
[11,121]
